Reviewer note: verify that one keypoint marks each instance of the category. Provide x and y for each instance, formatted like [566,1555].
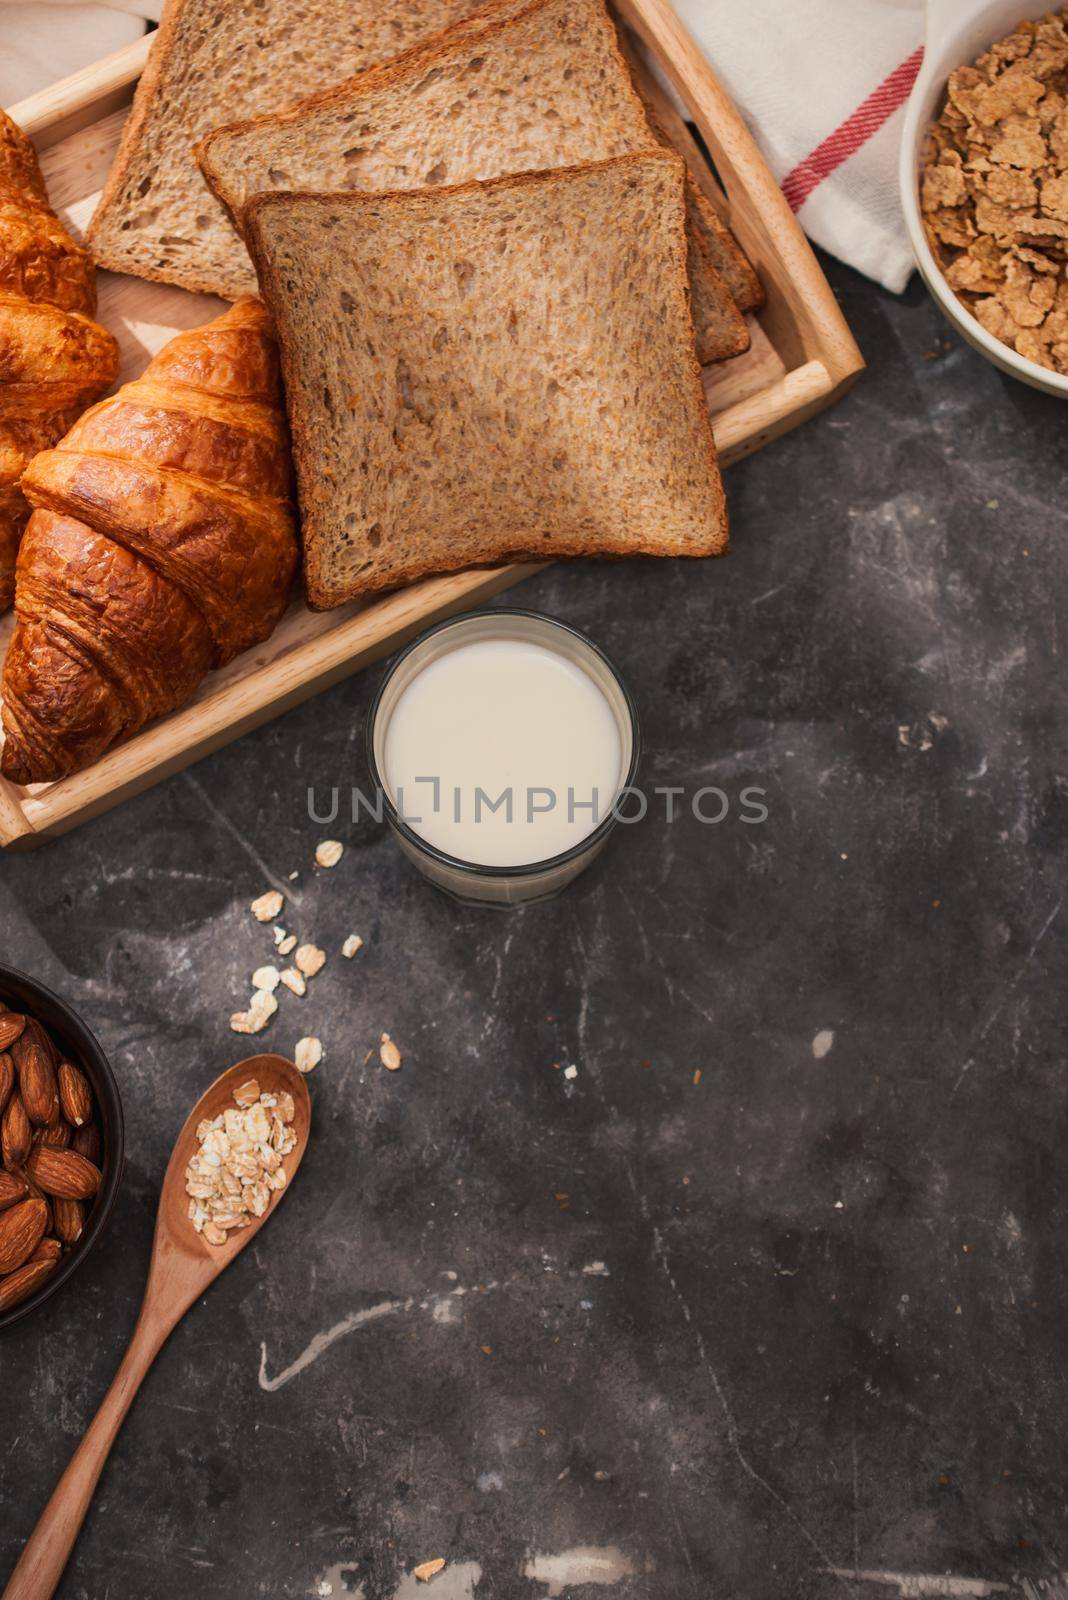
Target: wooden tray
[802,357]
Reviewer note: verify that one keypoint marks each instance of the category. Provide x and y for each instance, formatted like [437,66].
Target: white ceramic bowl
[957,32]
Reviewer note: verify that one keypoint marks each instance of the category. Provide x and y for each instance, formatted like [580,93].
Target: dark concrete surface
[828,1330]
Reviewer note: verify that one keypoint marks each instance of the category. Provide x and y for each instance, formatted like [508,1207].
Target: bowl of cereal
[984,181]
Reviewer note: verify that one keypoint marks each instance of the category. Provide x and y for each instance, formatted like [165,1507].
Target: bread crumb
[571,1072]
[389,1054]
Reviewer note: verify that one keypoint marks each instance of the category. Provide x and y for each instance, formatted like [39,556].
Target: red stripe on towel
[856,130]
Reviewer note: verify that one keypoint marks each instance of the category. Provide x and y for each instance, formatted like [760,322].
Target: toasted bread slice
[539,85]
[706,226]
[491,372]
[211,62]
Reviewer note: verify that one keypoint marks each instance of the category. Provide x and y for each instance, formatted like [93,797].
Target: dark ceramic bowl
[20,993]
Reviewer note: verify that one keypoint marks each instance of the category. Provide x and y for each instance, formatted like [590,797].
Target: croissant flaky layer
[163,543]
[54,359]
[85,664]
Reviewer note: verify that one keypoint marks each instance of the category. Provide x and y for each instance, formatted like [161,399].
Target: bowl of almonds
[61,1143]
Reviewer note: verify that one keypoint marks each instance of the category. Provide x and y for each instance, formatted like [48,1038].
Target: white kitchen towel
[822,86]
[43,42]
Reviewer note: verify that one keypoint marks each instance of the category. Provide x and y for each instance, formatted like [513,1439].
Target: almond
[32,1055]
[17,1286]
[11,1025]
[75,1096]
[37,1193]
[69,1219]
[49,1249]
[16,1135]
[63,1173]
[7,1079]
[21,1229]
[35,1032]
[87,1142]
[57,1134]
[13,1187]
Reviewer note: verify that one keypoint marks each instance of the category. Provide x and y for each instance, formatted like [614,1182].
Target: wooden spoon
[182,1266]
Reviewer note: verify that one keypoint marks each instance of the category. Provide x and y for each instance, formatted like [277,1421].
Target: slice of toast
[214,60]
[492,372]
[705,224]
[540,84]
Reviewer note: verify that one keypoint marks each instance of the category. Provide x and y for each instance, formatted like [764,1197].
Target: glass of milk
[501,742]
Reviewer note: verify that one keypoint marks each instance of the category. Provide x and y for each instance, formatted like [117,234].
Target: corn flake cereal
[994,189]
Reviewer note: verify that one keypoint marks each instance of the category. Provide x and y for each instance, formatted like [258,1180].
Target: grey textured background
[840,1343]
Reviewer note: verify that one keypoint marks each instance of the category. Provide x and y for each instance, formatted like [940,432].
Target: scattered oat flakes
[287,944]
[308,1054]
[389,1055]
[239,1161]
[268,906]
[261,1008]
[571,1072]
[310,959]
[351,945]
[265,978]
[294,980]
[329,853]
[279,934]
[429,1569]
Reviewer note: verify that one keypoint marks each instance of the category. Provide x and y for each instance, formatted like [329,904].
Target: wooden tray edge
[72,103]
[760,210]
[198,729]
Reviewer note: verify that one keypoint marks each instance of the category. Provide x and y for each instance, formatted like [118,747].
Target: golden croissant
[54,359]
[163,543]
